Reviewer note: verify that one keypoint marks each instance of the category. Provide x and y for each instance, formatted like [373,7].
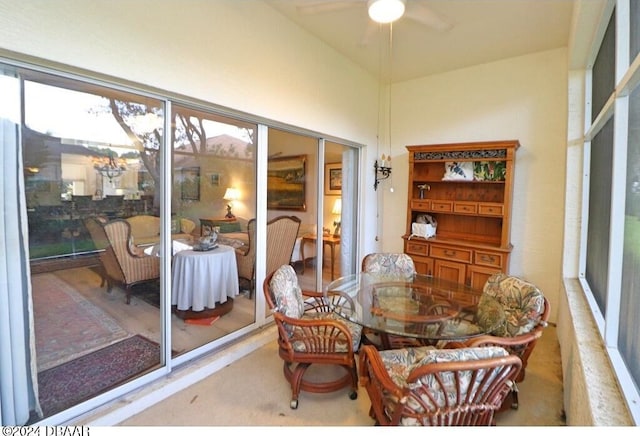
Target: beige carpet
[253,392]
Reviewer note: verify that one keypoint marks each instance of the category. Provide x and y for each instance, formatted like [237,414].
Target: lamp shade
[231,194]
[337,207]
[385,11]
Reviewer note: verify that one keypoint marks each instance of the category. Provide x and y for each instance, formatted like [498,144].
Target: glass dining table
[422,307]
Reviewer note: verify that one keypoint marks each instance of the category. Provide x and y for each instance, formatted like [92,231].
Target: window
[611,248]
[628,340]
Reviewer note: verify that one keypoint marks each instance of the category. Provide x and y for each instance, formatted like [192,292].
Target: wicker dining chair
[524,312]
[310,333]
[437,387]
[392,265]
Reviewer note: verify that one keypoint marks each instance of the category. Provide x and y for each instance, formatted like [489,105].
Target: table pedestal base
[219,310]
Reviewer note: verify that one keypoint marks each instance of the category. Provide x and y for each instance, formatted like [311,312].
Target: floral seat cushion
[400,363]
[393,264]
[521,304]
[286,293]
[289,301]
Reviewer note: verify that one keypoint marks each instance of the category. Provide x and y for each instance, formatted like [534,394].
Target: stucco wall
[241,55]
[523,98]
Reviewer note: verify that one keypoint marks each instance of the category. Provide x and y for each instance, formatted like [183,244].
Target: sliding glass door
[148,229]
[91,177]
[212,203]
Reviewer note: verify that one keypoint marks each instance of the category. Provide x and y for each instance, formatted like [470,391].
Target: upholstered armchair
[246,259]
[524,312]
[310,333]
[437,387]
[393,265]
[100,241]
[126,263]
[282,232]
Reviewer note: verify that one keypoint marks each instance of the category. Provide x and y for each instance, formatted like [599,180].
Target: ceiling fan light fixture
[385,11]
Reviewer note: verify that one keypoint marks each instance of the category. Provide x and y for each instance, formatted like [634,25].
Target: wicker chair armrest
[332,332]
[505,341]
[340,299]
[330,302]
[371,366]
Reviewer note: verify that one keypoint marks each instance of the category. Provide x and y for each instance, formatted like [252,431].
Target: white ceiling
[480,31]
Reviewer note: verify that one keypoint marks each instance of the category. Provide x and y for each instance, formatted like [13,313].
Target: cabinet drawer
[489,258]
[421,204]
[465,207]
[451,253]
[417,248]
[442,205]
[495,209]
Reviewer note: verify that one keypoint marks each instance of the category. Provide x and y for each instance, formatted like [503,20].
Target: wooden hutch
[467,188]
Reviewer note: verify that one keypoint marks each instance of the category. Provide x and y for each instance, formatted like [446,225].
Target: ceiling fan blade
[327,6]
[428,17]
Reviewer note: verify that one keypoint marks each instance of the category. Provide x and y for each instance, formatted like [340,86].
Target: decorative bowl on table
[206,243]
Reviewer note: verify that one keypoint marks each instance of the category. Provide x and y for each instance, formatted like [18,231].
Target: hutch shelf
[467,188]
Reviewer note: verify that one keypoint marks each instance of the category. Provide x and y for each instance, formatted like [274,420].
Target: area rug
[67,325]
[147,292]
[85,377]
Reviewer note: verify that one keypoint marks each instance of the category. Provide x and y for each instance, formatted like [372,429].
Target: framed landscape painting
[286,183]
[332,179]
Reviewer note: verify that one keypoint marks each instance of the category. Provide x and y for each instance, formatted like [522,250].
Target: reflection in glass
[214,173]
[90,170]
[629,342]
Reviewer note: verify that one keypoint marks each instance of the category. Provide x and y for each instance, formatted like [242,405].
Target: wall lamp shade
[337,207]
[231,194]
[337,210]
[385,11]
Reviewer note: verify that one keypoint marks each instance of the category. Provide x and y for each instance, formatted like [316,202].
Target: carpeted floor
[80,379]
[67,325]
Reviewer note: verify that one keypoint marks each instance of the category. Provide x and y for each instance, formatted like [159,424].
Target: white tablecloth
[203,278]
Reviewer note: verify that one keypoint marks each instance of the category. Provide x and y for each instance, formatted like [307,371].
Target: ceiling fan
[413,10]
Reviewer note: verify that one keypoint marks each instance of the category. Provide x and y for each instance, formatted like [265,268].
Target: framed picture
[190,183]
[215,179]
[333,179]
[286,178]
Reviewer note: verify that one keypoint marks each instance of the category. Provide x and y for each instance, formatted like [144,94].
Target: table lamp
[231,194]
[337,210]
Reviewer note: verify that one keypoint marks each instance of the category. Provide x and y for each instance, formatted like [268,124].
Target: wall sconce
[337,210]
[382,170]
[230,195]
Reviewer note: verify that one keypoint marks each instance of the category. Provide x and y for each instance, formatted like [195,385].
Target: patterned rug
[78,380]
[148,292]
[67,325]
